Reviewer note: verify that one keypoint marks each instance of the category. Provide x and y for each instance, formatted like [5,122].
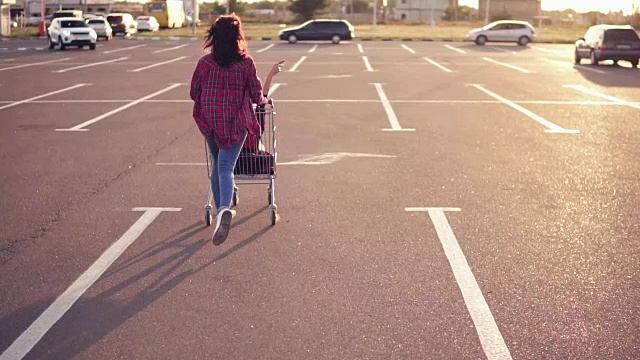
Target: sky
[577,5]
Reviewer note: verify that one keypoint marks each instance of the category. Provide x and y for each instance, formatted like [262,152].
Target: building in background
[31,8]
[526,10]
[422,10]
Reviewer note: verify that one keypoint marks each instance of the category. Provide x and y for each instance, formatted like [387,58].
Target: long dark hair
[226,40]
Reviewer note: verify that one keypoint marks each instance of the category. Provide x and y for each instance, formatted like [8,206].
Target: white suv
[71,32]
[520,32]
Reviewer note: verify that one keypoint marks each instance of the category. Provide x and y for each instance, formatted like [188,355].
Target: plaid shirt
[221,107]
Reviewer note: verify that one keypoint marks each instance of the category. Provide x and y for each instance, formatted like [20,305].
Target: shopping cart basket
[256,163]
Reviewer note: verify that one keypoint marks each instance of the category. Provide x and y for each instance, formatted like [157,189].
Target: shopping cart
[256,164]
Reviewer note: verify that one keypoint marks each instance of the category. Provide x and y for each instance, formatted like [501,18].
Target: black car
[609,42]
[334,30]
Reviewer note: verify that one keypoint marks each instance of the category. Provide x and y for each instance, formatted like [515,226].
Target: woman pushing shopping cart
[224,87]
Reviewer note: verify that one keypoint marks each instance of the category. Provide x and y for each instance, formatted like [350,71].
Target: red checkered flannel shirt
[222,99]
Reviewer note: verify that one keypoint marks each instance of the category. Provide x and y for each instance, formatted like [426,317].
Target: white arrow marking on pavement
[552,128]
[34,64]
[80,127]
[28,339]
[295,66]
[41,96]
[329,158]
[393,119]
[490,337]
[614,99]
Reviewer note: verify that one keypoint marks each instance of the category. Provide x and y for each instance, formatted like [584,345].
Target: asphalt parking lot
[437,200]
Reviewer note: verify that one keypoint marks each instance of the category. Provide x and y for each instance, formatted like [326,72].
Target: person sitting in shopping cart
[224,85]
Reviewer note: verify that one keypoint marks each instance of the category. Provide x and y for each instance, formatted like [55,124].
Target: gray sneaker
[223,224]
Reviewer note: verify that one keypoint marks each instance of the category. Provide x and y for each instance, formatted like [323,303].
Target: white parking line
[503,50]
[408,48]
[455,49]
[41,96]
[507,65]
[360,49]
[551,127]
[28,339]
[573,66]
[81,127]
[158,64]
[89,65]
[273,89]
[543,49]
[614,99]
[33,64]
[367,64]
[22,49]
[489,334]
[3,60]
[313,48]
[266,48]
[443,68]
[123,49]
[170,49]
[393,119]
[296,65]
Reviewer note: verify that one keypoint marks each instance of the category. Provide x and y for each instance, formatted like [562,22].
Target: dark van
[334,30]
[609,42]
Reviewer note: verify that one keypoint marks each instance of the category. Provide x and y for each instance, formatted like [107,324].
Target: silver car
[102,27]
[520,32]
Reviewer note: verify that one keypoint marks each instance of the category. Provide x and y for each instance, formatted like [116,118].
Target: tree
[306,9]
[362,6]
[212,8]
[458,13]
[502,15]
[237,7]
[635,16]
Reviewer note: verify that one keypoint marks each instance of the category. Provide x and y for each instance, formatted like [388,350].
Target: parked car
[609,42]
[334,30]
[122,23]
[101,27]
[147,23]
[520,32]
[71,32]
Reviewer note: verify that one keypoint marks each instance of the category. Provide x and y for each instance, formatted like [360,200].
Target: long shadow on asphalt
[90,320]
[616,75]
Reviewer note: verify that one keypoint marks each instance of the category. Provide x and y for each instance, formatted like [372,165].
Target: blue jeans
[224,161]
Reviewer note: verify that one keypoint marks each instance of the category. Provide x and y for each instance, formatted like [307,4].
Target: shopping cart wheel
[273,216]
[207,217]
[236,199]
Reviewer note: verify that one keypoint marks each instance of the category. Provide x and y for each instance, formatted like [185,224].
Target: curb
[258,38]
